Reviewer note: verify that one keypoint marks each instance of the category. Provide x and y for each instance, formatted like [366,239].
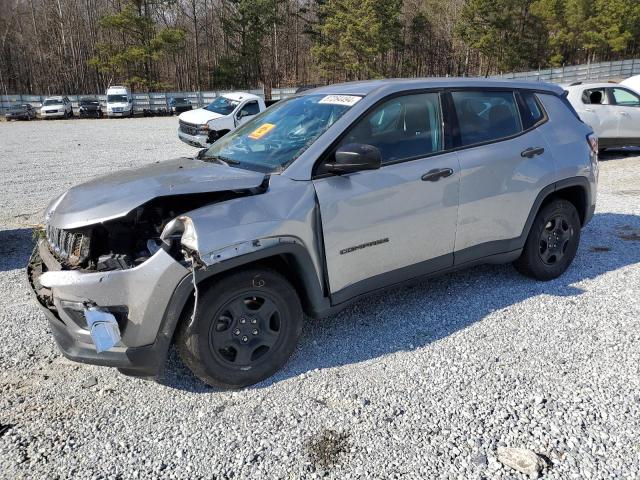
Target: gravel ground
[421,382]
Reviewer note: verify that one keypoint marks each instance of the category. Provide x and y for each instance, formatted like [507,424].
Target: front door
[398,222]
[627,106]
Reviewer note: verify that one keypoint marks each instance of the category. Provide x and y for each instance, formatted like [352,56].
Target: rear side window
[533,113]
[485,116]
[595,96]
[401,128]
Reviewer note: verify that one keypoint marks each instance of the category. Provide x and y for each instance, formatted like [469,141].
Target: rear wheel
[552,242]
[245,328]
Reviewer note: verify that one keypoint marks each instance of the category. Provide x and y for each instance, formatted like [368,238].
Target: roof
[590,85]
[398,84]
[240,96]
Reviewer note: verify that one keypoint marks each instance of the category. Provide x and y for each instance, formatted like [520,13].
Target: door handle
[436,174]
[589,110]
[532,152]
[623,114]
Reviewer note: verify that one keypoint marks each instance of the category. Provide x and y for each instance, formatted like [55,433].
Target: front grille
[118,109]
[70,247]
[51,111]
[188,128]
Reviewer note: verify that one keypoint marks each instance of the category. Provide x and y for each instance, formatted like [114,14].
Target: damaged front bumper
[77,303]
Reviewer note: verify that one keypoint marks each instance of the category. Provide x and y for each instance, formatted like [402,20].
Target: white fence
[578,73]
[141,101]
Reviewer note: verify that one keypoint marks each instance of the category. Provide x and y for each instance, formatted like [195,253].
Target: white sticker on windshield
[346,100]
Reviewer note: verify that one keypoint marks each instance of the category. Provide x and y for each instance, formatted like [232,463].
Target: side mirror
[242,113]
[355,157]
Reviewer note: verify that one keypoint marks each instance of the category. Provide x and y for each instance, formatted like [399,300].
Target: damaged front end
[105,285]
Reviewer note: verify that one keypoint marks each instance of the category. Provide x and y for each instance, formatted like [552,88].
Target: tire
[246,327]
[552,242]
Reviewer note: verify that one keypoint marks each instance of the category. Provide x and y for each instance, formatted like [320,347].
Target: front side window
[401,128]
[250,109]
[625,98]
[485,116]
[272,140]
[222,105]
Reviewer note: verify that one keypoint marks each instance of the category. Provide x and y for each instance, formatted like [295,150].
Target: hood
[53,105]
[16,110]
[115,195]
[90,107]
[199,116]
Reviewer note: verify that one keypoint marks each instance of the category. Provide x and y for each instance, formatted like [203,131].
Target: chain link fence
[154,101]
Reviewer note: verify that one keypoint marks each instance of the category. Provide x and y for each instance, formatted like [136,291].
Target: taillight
[592,140]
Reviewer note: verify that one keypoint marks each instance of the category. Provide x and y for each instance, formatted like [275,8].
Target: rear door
[387,225]
[596,110]
[627,106]
[504,163]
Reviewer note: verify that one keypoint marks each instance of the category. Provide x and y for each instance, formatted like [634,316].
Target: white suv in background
[612,110]
[56,107]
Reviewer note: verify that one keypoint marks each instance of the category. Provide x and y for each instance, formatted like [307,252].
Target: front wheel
[246,326]
[552,242]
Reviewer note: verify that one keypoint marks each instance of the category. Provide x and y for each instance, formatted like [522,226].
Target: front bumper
[126,113]
[138,297]
[201,141]
[58,114]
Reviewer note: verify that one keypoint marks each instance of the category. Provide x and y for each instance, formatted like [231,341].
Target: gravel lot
[421,382]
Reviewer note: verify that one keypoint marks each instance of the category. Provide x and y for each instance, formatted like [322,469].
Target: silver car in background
[319,200]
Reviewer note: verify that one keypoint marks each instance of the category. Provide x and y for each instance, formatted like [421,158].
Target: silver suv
[323,198]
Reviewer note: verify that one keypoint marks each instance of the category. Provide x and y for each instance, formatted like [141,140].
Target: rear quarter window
[485,116]
[533,113]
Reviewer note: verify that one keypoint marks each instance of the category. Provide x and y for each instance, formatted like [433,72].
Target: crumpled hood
[199,116]
[115,195]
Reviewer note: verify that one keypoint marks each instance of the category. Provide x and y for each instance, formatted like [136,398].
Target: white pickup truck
[201,127]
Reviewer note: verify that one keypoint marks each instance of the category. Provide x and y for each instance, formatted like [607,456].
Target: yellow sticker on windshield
[261,131]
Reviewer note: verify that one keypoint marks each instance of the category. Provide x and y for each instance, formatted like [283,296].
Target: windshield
[222,105]
[179,100]
[117,99]
[279,135]
[52,101]
[88,102]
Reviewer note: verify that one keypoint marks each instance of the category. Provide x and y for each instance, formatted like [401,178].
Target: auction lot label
[261,131]
[346,100]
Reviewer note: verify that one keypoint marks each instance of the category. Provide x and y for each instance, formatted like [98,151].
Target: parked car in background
[56,107]
[633,83]
[155,112]
[179,104]
[90,107]
[612,110]
[203,126]
[21,112]
[119,102]
[323,198]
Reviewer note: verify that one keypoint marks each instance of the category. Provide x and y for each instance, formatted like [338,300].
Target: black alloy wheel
[246,325]
[552,242]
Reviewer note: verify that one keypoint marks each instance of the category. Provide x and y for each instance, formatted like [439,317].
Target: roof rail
[575,83]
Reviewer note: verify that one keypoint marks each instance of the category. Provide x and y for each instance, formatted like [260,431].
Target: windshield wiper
[220,159]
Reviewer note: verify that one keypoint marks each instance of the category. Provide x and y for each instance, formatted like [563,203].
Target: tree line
[82,46]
